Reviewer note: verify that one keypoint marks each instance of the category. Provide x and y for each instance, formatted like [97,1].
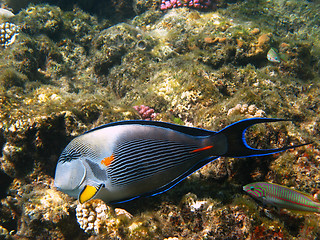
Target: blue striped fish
[282,197]
[124,160]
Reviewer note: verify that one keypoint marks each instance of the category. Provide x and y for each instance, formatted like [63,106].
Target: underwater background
[69,66]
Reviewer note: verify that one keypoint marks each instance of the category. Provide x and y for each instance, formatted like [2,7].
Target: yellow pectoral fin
[89,192]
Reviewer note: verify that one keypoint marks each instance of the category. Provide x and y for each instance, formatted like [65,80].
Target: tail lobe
[237,145]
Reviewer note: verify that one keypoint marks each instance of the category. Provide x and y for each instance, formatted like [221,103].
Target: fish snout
[69,175]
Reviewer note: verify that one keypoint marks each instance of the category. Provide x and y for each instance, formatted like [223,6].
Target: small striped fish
[274,56]
[282,197]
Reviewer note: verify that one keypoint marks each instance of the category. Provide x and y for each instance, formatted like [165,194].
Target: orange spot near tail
[202,149]
[107,161]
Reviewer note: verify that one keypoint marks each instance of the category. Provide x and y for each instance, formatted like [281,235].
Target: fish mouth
[69,175]
[245,188]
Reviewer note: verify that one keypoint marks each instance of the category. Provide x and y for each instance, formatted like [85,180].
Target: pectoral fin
[89,192]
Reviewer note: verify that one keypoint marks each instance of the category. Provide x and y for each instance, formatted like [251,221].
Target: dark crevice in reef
[2,141]
[5,181]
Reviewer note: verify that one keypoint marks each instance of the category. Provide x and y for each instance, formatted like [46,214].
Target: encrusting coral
[247,111]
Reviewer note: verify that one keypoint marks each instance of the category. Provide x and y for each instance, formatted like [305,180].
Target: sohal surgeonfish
[282,197]
[124,160]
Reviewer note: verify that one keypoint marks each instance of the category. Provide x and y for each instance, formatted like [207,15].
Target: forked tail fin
[237,145]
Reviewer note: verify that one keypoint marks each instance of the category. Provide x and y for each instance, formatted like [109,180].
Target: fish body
[274,56]
[124,160]
[6,13]
[282,197]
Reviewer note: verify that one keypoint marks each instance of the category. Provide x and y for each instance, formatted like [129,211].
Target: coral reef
[141,6]
[106,9]
[72,68]
[38,203]
[112,44]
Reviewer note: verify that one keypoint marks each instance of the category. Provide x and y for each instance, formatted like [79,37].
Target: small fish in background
[282,197]
[274,56]
[125,160]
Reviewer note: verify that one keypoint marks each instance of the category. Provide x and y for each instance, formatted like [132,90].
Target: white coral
[96,217]
[8,33]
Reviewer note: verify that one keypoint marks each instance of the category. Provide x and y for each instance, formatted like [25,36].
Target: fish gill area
[68,68]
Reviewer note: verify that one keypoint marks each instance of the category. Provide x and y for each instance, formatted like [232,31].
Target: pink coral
[198,4]
[146,112]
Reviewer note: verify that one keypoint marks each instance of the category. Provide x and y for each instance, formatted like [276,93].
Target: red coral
[146,112]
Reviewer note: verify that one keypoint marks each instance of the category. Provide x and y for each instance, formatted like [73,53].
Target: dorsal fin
[183,129]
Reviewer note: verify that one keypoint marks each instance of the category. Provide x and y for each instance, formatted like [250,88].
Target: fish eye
[67,158]
[251,188]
